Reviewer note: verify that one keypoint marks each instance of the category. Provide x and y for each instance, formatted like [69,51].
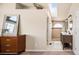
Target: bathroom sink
[65,33]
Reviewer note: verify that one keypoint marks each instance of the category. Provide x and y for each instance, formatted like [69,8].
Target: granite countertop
[65,33]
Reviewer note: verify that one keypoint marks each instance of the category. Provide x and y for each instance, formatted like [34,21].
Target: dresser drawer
[8,45]
[8,40]
[8,49]
[12,44]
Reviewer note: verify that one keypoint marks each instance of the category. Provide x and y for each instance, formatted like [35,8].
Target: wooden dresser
[67,41]
[12,44]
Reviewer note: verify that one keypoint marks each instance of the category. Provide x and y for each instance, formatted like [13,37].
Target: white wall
[74,10]
[33,24]
[76,32]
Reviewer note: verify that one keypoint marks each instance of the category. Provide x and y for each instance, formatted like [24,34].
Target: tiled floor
[55,46]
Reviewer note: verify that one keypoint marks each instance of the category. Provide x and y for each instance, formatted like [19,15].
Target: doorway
[57,28]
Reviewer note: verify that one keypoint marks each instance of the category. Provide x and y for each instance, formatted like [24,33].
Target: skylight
[53,9]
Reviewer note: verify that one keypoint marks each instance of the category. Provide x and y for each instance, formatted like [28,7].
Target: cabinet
[12,44]
[67,41]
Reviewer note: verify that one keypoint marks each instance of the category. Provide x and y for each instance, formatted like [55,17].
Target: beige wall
[7,6]
[74,8]
[33,24]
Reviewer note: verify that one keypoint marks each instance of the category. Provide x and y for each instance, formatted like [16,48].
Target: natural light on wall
[53,9]
[58,25]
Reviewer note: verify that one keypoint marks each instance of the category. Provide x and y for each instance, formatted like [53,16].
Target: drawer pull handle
[7,39]
[7,50]
[8,45]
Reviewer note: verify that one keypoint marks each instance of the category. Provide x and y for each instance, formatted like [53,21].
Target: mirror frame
[16,27]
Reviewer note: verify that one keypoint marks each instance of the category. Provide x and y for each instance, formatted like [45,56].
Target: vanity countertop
[65,33]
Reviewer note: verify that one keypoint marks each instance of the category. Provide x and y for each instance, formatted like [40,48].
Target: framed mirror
[66,25]
[10,25]
[70,24]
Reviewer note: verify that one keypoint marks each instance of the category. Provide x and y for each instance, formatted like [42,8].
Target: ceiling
[30,5]
[62,8]
[62,11]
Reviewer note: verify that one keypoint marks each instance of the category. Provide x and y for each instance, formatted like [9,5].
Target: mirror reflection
[9,25]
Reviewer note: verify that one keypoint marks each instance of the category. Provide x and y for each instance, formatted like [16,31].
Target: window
[58,25]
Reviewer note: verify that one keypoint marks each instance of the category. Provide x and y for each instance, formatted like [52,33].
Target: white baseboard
[45,50]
